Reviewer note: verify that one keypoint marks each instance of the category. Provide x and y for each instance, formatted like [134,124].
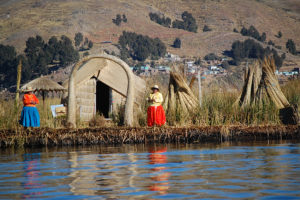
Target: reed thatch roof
[43,84]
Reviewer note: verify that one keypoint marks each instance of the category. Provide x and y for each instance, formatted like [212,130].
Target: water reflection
[160,177]
[182,171]
[32,175]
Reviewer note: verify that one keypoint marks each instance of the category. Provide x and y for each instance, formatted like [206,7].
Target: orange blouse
[30,100]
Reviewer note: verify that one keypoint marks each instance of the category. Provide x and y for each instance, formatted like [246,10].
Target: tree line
[81,44]
[253,32]
[187,23]
[162,20]
[37,57]
[118,20]
[251,49]
[140,47]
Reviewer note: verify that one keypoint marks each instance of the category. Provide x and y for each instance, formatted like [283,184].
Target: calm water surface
[198,171]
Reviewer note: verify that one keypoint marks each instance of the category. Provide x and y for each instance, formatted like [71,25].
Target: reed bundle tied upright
[179,96]
[261,86]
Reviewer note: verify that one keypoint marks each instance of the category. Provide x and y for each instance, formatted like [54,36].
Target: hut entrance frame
[106,60]
[103,99]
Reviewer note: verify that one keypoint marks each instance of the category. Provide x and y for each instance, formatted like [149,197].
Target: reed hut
[43,85]
[98,84]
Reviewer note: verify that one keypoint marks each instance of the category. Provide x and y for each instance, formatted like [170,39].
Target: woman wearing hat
[30,115]
[155,112]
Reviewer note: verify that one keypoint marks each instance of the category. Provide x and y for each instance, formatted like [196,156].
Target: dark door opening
[103,99]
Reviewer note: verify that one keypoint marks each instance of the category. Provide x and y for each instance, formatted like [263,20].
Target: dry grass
[10,118]
[93,18]
[217,109]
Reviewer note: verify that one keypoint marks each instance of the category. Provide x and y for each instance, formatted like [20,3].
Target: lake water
[182,171]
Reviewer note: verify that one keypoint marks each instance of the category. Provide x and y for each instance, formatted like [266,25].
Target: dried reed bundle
[179,96]
[261,85]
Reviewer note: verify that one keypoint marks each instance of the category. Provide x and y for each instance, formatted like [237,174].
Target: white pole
[200,88]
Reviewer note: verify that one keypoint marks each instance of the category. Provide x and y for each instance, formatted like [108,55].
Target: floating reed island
[125,135]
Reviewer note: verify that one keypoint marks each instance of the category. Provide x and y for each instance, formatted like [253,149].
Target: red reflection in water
[32,175]
[160,180]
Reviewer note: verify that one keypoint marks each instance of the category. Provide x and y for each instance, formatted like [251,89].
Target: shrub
[253,32]
[251,49]
[290,45]
[271,43]
[78,39]
[211,56]
[124,18]
[177,43]
[118,20]
[279,35]
[188,23]
[164,21]
[140,47]
[206,28]
[225,64]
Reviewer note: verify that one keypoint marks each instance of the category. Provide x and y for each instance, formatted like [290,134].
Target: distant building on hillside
[189,63]
[171,57]
[295,71]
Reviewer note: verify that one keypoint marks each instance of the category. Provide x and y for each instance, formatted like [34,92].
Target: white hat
[155,87]
[28,89]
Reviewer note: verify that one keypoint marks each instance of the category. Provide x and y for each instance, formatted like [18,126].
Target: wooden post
[43,94]
[200,88]
[19,73]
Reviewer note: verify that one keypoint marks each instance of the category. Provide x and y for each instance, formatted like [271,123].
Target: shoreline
[137,135]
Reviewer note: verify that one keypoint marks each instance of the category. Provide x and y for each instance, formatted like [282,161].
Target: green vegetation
[206,28]
[198,61]
[124,18]
[8,65]
[140,47]
[211,56]
[82,46]
[78,39]
[188,23]
[164,21]
[291,47]
[38,56]
[251,49]
[279,35]
[177,43]
[253,32]
[225,64]
[271,43]
[118,20]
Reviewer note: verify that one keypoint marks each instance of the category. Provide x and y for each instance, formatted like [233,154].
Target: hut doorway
[103,99]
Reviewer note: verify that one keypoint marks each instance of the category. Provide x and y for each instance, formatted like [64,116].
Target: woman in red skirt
[155,114]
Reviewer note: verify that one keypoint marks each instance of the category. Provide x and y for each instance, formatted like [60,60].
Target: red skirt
[156,116]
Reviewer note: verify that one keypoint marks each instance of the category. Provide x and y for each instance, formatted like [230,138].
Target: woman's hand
[149,99]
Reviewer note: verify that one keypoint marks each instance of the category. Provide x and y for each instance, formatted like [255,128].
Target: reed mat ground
[125,135]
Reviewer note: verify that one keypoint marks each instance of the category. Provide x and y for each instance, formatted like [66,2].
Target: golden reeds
[216,110]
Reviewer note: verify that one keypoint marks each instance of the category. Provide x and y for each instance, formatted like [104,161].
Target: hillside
[20,19]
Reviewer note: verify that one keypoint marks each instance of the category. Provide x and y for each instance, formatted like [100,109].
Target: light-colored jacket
[156,98]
